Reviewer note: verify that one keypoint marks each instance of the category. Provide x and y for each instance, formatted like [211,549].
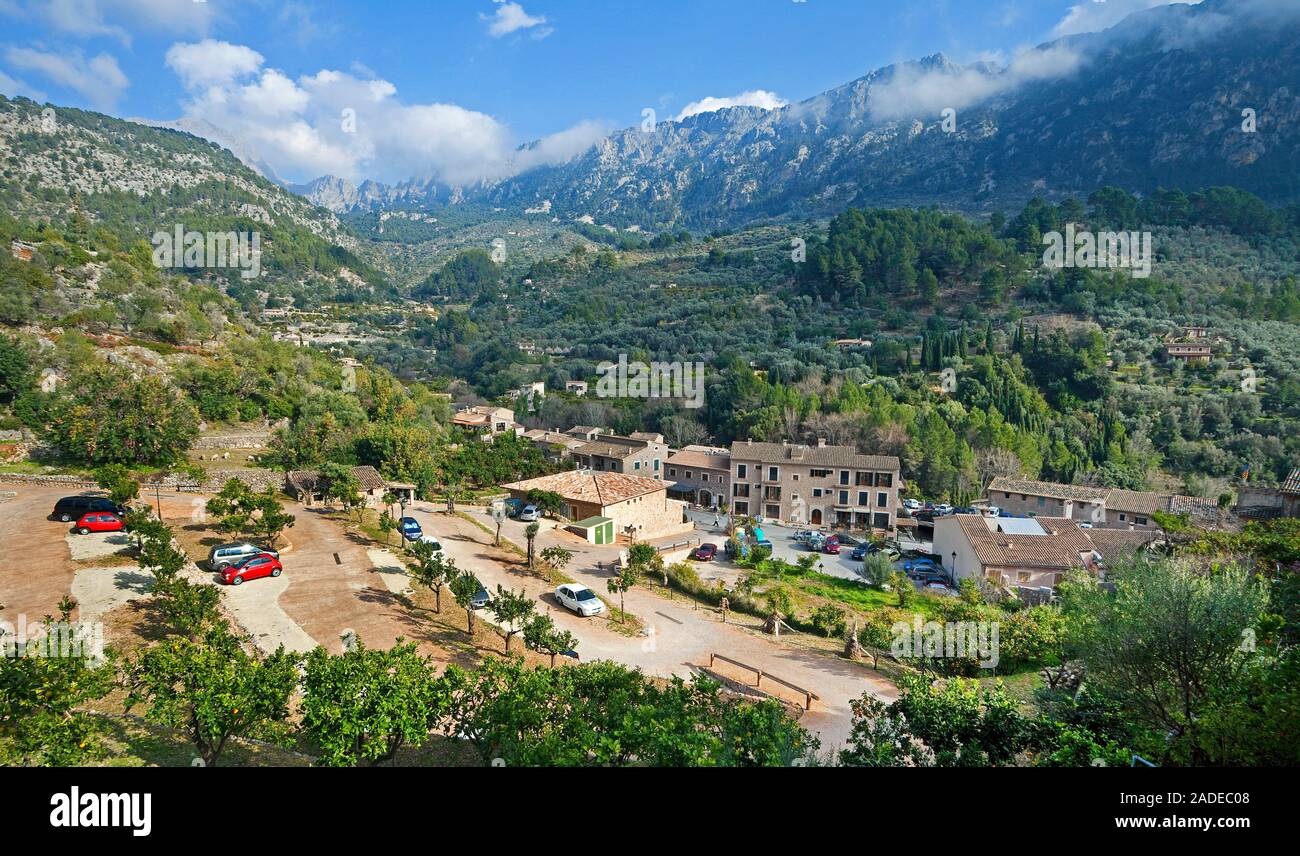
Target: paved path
[681,637]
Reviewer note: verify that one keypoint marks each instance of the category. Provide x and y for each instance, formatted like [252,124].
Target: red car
[832,547]
[705,553]
[99,521]
[252,568]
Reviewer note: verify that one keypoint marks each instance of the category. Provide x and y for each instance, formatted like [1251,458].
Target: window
[742,508]
[688,474]
[844,497]
[672,471]
[844,477]
[819,474]
[882,521]
[1006,496]
[636,465]
[774,511]
[884,479]
[1140,521]
[817,492]
[861,479]
[740,490]
[1022,576]
[773,473]
[864,498]
[1041,502]
[882,499]
[741,471]
[1121,517]
[656,465]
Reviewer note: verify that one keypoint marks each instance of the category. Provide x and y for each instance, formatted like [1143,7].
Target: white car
[530,514]
[943,509]
[429,539]
[580,599]
[912,504]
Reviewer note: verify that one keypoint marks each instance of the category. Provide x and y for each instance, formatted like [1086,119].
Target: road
[680,637]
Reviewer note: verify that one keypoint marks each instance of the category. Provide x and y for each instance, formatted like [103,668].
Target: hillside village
[820,473]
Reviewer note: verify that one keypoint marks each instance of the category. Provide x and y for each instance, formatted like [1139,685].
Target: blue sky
[456,84]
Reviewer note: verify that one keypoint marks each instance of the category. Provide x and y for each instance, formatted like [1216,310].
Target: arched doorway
[816,519]
[706,499]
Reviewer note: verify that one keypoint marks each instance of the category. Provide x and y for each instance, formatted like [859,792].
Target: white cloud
[1093,16]
[114,18]
[99,80]
[353,125]
[754,98]
[212,63]
[510,18]
[917,91]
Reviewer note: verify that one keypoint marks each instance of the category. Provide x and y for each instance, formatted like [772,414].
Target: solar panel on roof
[1020,526]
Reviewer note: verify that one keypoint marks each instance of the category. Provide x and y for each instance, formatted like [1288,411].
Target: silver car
[223,556]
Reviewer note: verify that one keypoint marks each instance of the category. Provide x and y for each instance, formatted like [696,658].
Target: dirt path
[681,637]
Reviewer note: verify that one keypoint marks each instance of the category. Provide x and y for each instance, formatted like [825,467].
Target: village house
[1189,352]
[487,422]
[701,475]
[1028,552]
[1265,502]
[1100,506]
[556,446]
[307,487]
[576,387]
[605,506]
[644,455]
[586,433]
[818,485]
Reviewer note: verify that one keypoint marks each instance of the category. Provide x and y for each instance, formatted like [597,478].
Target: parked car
[916,567]
[580,599]
[943,509]
[803,536]
[252,568]
[99,522]
[1085,525]
[530,514]
[860,552]
[992,511]
[912,504]
[410,528]
[72,508]
[429,539]
[481,599]
[929,578]
[223,556]
[705,553]
[938,588]
[832,548]
[765,543]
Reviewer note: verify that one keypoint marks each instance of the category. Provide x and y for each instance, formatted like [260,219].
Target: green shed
[597,530]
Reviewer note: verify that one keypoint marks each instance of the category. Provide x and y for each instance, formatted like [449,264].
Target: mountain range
[1176,96]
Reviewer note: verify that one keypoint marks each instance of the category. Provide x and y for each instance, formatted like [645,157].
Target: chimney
[750,441]
[821,442]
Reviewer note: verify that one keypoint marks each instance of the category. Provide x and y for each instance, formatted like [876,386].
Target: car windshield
[585,594]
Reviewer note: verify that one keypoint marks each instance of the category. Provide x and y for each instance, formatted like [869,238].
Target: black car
[71,508]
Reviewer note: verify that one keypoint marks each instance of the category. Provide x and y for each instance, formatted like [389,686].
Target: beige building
[487,422]
[556,446]
[701,474]
[1101,506]
[643,455]
[818,485]
[638,506]
[1020,551]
